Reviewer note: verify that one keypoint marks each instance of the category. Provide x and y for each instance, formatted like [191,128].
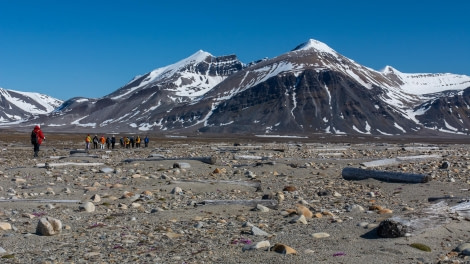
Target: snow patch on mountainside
[427,83]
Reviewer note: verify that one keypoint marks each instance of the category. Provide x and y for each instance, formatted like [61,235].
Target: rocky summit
[195,200]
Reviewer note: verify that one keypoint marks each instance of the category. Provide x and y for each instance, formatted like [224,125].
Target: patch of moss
[421,247]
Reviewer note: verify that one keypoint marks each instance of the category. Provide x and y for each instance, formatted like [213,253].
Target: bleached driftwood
[268,203]
[249,157]
[37,201]
[397,160]
[349,173]
[254,184]
[209,160]
[50,165]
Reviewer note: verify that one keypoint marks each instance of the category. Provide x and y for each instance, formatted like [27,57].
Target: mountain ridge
[310,89]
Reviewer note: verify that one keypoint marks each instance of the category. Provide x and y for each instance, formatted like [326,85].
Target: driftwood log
[51,165]
[209,160]
[268,203]
[349,173]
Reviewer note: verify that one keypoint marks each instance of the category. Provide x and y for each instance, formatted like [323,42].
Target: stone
[48,226]
[181,165]
[258,232]
[363,224]
[462,247]
[177,190]
[355,208]
[283,249]
[392,229]
[444,165]
[172,235]
[299,219]
[122,206]
[375,208]
[385,211]
[96,198]
[320,235]
[262,208]
[106,170]
[257,245]
[302,210]
[5,226]
[88,207]
[290,189]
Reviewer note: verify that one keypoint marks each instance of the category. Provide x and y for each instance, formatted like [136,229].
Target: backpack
[34,138]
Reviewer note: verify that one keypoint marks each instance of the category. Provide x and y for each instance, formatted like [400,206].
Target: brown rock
[385,211]
[290,189]
[302,210]
[375,207]
[283,249]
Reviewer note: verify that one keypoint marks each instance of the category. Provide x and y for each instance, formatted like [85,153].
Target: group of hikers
[110,142]
[37,137]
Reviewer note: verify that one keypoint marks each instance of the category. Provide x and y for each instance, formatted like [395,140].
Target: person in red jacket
[36,139]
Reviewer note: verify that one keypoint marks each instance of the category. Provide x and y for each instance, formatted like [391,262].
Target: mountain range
[311,89]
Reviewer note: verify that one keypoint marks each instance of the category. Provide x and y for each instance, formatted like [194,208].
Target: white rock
[96,198]
[320,235]
[262,208]
[48,226]
[299,218]
[257,245]
[5,226]
[177,190]
[87,207]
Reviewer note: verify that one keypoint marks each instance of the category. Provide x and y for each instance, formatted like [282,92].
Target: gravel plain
[187,200]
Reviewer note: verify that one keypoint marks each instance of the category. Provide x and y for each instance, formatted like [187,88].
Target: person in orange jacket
[102,142]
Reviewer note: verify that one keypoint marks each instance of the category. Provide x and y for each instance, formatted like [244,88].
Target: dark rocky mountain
[309,90]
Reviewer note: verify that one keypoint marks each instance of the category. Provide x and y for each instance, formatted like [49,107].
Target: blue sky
[91,48]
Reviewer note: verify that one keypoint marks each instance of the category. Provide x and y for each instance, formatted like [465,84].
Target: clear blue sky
[90,48]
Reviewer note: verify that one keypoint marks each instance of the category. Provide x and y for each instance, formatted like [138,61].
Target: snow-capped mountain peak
[315,45]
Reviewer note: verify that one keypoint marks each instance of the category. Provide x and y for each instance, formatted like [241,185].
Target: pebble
[463,247]
[177,190]
[283,249]
[320,235]
[88,207]
[258,232]
[262,208]
[302,210]
[299,219]
[257,245]
[106,170]
[48,226]
[95,198]
[5,226]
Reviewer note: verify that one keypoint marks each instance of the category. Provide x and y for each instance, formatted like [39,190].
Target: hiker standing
[146,141]
[36,139]
[113,141]
[95,141]
[87,142]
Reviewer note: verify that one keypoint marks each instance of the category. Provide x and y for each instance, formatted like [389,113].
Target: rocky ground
[225,201]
